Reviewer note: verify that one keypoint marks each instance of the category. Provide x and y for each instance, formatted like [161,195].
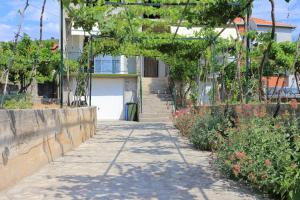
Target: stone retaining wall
[30,139]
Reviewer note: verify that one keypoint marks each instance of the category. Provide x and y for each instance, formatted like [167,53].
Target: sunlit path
[129,161]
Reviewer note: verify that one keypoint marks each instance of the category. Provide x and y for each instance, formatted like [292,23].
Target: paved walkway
[129,161]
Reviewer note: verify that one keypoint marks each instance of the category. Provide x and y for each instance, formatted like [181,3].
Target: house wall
[292,82]
[162,69]
[228,33]
[204,89]
[282,34]
[74,46]
[132,65]
[110,96]
[272,80]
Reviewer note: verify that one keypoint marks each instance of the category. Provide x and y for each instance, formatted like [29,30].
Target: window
[107,65]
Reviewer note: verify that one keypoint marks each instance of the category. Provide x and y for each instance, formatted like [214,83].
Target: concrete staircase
[157,102]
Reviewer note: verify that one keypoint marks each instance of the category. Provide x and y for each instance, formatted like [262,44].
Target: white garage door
[107,95]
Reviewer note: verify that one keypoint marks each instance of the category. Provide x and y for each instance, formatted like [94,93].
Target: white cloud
[51,29]
[7,32]
[32,18]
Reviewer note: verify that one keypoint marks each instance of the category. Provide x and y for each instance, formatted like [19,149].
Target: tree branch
[11,62]
[267,51]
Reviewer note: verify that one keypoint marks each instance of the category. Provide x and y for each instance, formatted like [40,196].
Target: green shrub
[17,104]
[260,152]
[202,134]
[208,130]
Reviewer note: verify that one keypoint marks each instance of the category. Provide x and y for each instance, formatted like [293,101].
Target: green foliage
[121,32]
[264,152]
[33,60]
[208,130]
[21,101]
[30,55]
[259,152]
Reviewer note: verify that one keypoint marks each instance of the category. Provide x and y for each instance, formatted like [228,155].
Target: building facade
[118,80]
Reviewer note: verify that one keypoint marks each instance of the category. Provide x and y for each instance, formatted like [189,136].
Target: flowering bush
[294,104]
[184,120]
[208,130]
[260,153]
[250,145]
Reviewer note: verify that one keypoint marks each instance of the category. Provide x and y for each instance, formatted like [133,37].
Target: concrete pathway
[129,161]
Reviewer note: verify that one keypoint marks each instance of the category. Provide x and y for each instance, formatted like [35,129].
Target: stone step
[152,111]
[148,92]
[156,102]
[157,97]
[154,115]
[159,109]
[153,105]
[159,119]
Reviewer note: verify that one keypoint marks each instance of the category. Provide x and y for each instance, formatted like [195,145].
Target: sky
[284,12]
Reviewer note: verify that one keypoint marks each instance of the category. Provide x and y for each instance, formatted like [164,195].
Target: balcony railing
[107,67]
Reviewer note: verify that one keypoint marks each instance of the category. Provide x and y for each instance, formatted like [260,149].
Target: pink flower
[247,107]
[240,154]
[294,104]
[267,162]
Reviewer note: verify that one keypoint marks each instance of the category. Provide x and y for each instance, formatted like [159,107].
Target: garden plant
[258,149]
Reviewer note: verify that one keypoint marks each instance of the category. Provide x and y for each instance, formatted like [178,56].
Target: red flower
[240,154]
[247,107]
[236,169]
[294,104]
[267,162]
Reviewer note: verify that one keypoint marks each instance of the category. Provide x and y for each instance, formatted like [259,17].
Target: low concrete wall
[30,139]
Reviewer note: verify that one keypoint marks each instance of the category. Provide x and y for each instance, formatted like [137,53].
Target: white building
[118,80]
[283,31]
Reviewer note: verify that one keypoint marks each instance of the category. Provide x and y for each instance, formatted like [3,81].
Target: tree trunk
[239,60]
[267,51]
[33,82]
[41,21]
[11,62]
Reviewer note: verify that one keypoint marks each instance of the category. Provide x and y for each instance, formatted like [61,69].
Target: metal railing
[289,93]
[107,66]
